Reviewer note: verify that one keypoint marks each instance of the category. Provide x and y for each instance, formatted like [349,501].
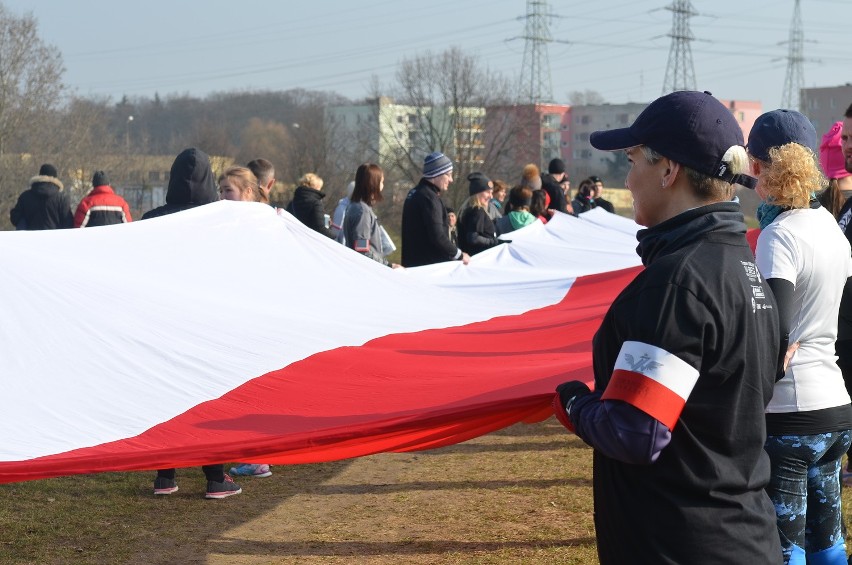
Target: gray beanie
[436,164]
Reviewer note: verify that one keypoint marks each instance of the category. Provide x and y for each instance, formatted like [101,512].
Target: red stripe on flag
[646,394]
[401,392]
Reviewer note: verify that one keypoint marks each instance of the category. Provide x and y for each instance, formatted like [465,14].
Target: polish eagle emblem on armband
[643,364]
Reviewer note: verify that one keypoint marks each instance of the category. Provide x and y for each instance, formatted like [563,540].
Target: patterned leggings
[805,489]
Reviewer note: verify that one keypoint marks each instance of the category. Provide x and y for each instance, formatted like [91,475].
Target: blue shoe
[258,470]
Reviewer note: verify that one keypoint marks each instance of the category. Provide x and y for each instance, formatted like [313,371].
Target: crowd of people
[721,401]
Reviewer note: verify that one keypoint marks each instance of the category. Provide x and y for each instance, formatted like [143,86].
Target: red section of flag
[402,392]
[646,394]
[751,237]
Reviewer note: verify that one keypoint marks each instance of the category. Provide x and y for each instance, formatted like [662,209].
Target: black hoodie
[191,184]
[44,206]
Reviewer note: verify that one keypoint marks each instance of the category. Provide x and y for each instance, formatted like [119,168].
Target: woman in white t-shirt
[805,260]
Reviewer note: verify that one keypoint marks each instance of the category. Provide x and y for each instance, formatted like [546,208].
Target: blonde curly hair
[792,176]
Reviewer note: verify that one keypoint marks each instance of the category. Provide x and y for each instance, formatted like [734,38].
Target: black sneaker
[224,489]
[162,485]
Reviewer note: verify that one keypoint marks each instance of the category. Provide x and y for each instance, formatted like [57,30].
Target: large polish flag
[230,332]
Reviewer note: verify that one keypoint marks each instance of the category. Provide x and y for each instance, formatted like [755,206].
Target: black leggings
[843,350]
[212,472]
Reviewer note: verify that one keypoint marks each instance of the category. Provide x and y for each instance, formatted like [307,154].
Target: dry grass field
[521,495]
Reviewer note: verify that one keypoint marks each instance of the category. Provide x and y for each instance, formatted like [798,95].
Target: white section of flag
[110,331]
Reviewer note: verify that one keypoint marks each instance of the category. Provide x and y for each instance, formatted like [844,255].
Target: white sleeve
[777,254]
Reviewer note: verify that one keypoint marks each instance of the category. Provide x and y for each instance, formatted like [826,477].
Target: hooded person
[43,206]
[476,229]
[191,184]
[102,206]
[425,224]
[685,358]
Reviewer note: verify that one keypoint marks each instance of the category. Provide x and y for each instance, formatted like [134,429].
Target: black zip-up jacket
[476,231]
[702,300]
[308,209]
[44,206]
[426,227]
[554,190]
[191,184]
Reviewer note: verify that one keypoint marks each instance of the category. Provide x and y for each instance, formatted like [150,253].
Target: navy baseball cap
[777,128]
[689,127]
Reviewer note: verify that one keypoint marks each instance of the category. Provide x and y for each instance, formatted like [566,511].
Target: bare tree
[585,97]
[448,95]
[31,90]
[267,139]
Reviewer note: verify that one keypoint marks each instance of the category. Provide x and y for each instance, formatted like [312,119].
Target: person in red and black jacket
[102,206]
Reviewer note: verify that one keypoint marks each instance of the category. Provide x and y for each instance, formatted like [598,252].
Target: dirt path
[503,498]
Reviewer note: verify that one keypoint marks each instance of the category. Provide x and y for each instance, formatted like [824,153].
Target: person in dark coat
[454,226]
[191,184]
[597,195]
[307,205]
[685,359]
[43,206]
[551,183]
[425,224]
[102,206]
[584,201]
[476,231]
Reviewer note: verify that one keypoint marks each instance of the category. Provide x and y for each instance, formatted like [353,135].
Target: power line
[680,73]
[794,80]
[536,86]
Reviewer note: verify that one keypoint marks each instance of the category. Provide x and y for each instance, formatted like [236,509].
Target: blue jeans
[805,489]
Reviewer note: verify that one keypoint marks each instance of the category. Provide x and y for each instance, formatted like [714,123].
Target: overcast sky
[618,48]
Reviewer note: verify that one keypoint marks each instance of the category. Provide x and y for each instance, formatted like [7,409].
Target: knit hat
[47,170]
[831,154]
[100,178]
[436,164]
[478,183]
[531,177]
[777,128]
[556,166]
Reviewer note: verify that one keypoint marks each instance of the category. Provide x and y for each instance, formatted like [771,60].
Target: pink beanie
[831,155]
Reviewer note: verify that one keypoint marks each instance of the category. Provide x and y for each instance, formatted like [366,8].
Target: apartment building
[582,160]
[397,134]
[826,105]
